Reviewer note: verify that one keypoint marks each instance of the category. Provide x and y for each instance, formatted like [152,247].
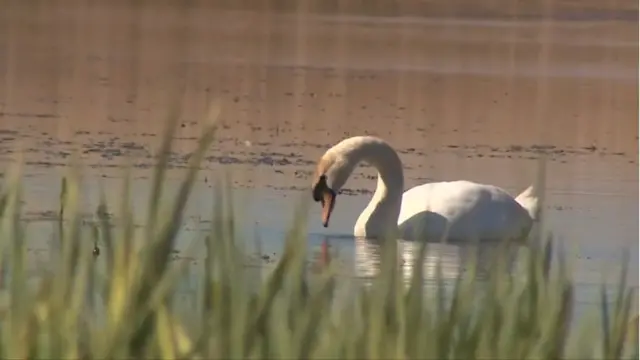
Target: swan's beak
[326,196]
[328,202]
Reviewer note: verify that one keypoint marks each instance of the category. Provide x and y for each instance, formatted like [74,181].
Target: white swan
[472,211]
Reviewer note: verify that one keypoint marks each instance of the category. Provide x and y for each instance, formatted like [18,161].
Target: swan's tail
[530,202]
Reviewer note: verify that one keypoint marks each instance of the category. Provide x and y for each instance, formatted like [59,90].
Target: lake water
[467,95]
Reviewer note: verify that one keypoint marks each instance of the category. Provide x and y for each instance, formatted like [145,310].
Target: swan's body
[475,211]
[463,210]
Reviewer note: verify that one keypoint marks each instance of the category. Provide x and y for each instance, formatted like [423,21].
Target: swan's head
[331,174]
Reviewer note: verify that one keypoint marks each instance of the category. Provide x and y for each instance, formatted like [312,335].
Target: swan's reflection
[454,258]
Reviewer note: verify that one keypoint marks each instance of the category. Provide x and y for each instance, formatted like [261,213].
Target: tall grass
[292,314]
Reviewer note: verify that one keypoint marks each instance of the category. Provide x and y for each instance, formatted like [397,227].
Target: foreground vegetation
[292,314]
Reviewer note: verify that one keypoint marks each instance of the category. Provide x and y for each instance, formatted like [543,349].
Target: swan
[464,210]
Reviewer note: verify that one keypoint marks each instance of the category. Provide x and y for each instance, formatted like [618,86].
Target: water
[459,98]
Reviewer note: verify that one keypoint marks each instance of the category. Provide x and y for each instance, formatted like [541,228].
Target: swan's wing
[447,198]
[470,208]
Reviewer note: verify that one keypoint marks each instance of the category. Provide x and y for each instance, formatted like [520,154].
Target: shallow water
[463,97]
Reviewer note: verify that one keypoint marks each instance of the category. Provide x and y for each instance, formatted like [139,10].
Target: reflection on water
[453,259]
[456,259]
[359,262]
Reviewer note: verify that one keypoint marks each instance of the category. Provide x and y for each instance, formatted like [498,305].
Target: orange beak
[328,202]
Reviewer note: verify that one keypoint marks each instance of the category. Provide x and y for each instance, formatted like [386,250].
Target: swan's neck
[380,217]
[389,188]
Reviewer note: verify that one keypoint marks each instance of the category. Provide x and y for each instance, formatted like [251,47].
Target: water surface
[458,96]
